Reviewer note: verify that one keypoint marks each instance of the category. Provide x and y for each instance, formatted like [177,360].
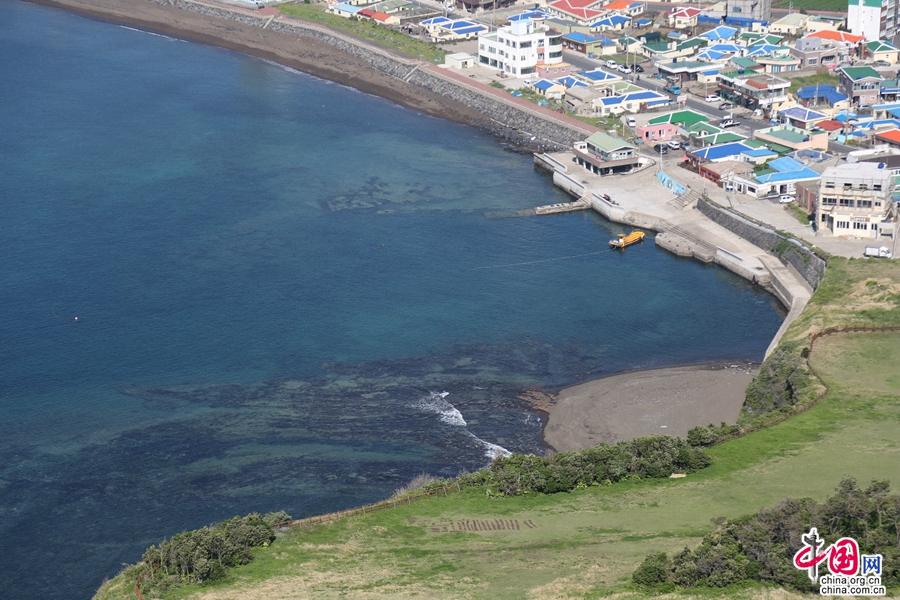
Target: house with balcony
[522,48]
[862,85]
[778,64]
[815,52]
[853,198]
[753,90]
[603,154]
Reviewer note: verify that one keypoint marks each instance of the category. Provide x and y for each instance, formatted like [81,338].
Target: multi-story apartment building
[874,19]
[862,85]
[753,90]
[853,198]
[520,48]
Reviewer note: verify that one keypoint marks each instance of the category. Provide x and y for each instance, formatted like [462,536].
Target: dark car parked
[639,68]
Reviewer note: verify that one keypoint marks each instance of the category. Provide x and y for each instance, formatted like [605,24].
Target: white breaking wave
[436,402]
[492,451]
[150,33]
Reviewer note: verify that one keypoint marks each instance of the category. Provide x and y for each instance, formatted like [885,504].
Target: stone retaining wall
[504,119]
[810,266]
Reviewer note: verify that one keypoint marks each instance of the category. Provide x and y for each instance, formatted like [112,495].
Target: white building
[874,19]
[853,199]
[519,48]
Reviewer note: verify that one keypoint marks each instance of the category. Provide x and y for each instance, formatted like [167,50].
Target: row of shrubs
[205,554]
[761,547]
[653,456]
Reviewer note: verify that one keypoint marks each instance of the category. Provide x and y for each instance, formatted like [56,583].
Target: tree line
[205,554]
[761,547]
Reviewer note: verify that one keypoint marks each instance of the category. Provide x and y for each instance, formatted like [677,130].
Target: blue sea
[289,295]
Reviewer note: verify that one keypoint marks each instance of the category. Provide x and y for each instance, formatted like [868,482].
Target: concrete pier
[640,200]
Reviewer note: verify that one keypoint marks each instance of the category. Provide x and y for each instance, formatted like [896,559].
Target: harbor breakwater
[768,268]
[516,121]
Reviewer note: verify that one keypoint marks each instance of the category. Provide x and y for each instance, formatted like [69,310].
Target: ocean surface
[289,295]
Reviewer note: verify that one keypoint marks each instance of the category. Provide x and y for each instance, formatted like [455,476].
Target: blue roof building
[722,152]
[782,175]
[814,95]
[571,82]
[598,76]
[612,22]
[723,32]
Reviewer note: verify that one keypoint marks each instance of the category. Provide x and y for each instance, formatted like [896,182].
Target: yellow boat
[626,240]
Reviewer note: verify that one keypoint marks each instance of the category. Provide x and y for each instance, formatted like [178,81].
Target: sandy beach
[659,401]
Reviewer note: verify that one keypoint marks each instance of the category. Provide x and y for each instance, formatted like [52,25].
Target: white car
[673,145]
[611,64]
[631,122]
[624,69]
[712,98]
[785,199]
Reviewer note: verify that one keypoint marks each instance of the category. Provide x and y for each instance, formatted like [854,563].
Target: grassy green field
[835,5]
[585,544]
[369,30]
[799,82]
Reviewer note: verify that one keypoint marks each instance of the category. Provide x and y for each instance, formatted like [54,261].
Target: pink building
[657,133]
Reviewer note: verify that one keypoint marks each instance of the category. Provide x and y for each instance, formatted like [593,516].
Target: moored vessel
[627,240]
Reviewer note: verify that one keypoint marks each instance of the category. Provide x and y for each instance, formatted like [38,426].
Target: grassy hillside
[586,543]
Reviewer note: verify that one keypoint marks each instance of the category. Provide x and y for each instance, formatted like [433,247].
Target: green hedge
[654,456]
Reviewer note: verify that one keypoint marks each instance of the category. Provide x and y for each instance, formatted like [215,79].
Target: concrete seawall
[807,263]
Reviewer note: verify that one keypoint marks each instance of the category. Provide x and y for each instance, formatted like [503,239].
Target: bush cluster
[647,457]
[761,547]
[205,554]
[783,381]
[707,436]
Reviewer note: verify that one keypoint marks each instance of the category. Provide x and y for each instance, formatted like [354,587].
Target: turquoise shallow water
[276,279]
